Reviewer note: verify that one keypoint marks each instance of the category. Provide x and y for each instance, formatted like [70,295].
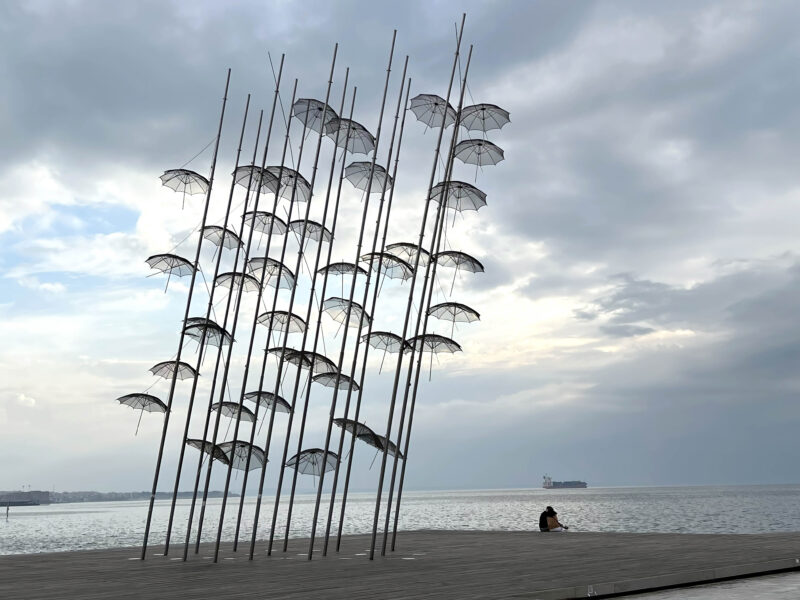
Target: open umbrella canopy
[281,320]
[459,260]
[231,409]
[222,237]
[291,182]
[233,280]
[215,451]
[313,461]
[478,152]
[269,400]
[384,340]
[253,176]
[355,427]
[432,342]
[483,117]
[145,402]
[264,222]
[167,369]
[314,114]
[209,332]
[433,110]
[454,311]
[335,380]
[345,311]
[358,173]
[185,180]
[274,272]
[359,140]
[390,265]
[171,263]
[313,230]
[305,359]
[381,443]
[242,455]
[408,252]
[341,268]
[461,196]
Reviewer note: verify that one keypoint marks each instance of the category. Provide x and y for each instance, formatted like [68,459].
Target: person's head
[551,511]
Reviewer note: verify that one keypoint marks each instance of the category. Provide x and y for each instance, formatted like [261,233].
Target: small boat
[549,484]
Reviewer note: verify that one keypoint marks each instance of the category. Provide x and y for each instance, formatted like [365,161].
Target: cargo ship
[549,484]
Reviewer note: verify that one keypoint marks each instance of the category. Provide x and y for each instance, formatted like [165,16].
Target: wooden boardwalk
[428,564]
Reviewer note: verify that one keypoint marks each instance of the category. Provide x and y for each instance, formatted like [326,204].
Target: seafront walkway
[427,564]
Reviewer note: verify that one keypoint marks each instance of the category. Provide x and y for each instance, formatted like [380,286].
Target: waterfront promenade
[427,564]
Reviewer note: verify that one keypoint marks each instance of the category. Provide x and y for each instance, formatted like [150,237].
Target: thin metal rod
[183,327]
[313,275]
[209,311]
[222,340]
[424,316]
[411,297]
[270,332]
[258,306]
[400,103]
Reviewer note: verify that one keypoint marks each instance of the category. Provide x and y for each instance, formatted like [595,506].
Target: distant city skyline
[639,305]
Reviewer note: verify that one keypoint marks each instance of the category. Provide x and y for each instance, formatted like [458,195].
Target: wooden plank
[428,564]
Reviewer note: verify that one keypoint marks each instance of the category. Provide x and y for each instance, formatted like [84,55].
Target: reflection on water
[706,509]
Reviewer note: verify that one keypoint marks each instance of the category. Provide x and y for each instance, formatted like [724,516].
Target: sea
[695,509]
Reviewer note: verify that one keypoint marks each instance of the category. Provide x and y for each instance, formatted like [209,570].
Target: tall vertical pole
[410,303]
[209,311]
[375,292]
[364,304]
[261,279]
[425,302]
[310,302]
[185,318]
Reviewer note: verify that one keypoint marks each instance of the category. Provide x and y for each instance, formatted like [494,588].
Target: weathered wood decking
[428,564]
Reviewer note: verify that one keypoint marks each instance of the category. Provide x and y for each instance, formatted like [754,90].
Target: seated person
[543,519]
[552,521]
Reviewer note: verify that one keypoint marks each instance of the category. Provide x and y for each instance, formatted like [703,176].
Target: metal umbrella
[346,312]
[264,222]
[458,260]
[277,274]
[341,269]
[433,343]
[483,117]
[455,312]
[461,196]
[478,152]
[220,237]
[358,173]
[384,340]
[390,265]
[231,409]
[313,461]
[408,252]
[314,114]
[232,280]
[315,231]
[239,453]
[185,181]
[433,110]
[171,264]
[209,448]
[142,403]
[269,400]
[256,177]
[359,140]
[280,320]
[336,380]
[289,179]
[166,370]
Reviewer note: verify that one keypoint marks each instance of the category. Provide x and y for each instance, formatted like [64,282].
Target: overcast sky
[639,305]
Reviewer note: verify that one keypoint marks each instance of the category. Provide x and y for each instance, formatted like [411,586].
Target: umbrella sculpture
[433,343]
[314,114]
[240,451]
[313,461]
[357,173]
[277,273]
[292,182]
[231,409]
[337,309]
[233,280]
[171,264]
[483,117]
[269,400]
[336,380]
[142,403]
[433,110]
[384,340]
[208,448]
[280,320]
[255,177]
[341,269]
[209,331]
[461,196]
[479,153]
[367,435]
[185,181]
[455,312]
[220,237]
[166,370]
[408,252]
[390,265]
[264,222]
[315,231]
[359,140]
[458,260]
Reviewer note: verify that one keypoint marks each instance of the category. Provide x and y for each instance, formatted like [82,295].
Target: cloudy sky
[639,305]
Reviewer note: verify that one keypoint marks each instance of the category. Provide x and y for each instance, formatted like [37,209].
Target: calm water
[725,509]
